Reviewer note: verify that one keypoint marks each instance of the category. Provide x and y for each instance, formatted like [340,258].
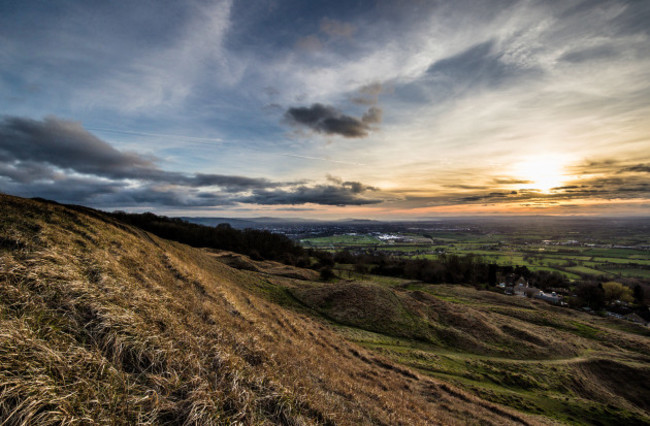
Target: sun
[541,172]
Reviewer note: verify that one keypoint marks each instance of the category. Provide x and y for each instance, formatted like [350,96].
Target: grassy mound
[561,363]
[417,314]
[366,306]
[239,261]
[103,323]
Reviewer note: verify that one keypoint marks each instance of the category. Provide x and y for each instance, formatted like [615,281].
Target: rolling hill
[101,322]
[104,323]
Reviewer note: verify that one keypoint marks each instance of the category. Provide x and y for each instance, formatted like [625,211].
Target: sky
[324,109]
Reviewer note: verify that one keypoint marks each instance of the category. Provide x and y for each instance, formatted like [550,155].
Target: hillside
[103,323]
[562,363]
[567,365]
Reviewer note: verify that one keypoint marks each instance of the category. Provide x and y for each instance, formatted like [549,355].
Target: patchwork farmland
[573,247]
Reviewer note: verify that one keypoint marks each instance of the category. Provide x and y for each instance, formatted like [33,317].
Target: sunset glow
[303,109]
[543,172]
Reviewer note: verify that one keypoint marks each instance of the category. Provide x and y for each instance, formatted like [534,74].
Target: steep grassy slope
[103,323]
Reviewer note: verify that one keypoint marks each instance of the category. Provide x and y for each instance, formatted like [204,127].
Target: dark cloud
[100,193]
[337,193]
[511,181]
[566,187]
[348,193]
[66,145]
[73,190]
[163,197]
[32,150]
[489,196]
[61,160]
[329,120]
[26,171]
[460,186]
[229,183]
[354,187]
[612,168]
[596,188]
[638,168]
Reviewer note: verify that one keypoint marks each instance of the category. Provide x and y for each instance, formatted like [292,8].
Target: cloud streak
[60,159]
[452,85]
[346,194]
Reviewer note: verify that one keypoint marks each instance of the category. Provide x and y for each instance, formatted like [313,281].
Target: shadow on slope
[421,316]
[240,261]
[608,380]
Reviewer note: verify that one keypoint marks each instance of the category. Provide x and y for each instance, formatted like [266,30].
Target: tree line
[446,268]
[255,243]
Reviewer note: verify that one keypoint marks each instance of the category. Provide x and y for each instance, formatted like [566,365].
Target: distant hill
[214,221]
[255,222]
[103,323]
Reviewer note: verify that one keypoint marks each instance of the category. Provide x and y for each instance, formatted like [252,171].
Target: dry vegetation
[561,363]
[103,323]
[568,365]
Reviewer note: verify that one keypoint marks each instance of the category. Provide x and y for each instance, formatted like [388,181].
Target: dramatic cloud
[347,193]
[329,120]
[59,159]
[639,168]
[33,150]
[610,167]
[354,187]
[598,188]
[66,145]
[467,94]
[229,183]
[511,181]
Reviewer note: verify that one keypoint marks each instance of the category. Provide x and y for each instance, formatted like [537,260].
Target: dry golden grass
[527,354]
[269,267]
[104,324]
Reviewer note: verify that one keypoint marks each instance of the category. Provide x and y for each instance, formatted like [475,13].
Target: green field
[337,241]
[585,270]
[520,248]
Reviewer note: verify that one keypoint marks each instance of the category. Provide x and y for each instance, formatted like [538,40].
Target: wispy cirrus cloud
[209,85]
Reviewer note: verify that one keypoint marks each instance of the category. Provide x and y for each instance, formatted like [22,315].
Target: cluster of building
[522,288]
